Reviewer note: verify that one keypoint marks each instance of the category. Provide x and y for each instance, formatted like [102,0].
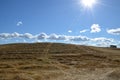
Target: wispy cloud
[70,31]
[114,31]
[83,31]
[95,28]
[19,23]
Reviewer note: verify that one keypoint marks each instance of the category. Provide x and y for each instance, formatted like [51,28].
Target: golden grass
[55,61]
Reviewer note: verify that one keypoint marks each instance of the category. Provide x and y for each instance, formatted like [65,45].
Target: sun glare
[88,3]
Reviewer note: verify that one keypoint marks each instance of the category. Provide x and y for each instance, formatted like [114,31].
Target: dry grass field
[57,61]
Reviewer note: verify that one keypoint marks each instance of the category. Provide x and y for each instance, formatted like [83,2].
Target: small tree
[113,46]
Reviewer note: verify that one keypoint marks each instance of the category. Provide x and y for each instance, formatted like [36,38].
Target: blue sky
[60,21]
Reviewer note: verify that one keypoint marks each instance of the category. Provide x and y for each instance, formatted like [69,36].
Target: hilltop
[55,61]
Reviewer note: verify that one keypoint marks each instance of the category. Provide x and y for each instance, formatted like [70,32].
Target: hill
[58,61]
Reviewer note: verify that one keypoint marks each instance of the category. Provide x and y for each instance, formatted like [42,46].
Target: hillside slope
[52,61]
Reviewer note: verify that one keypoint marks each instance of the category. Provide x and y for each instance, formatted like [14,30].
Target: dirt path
[46,50]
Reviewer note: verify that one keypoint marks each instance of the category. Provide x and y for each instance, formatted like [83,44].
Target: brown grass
[56,61]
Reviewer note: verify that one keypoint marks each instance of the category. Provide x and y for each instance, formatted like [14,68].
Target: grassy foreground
[57,61]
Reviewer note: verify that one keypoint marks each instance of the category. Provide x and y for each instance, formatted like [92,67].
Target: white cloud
[27,35]
[19,23]
[16,35]
[67,38]
[95,28]
[78,38]
[62,37]
[83,31]
[42,36]
[100,41]
[103,42]
[114,31]
[53,37]
[4,35]
[70,31]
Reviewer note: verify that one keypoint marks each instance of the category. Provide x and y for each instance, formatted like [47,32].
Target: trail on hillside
[48,48]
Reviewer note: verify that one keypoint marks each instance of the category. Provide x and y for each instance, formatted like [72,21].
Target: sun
[88,3]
